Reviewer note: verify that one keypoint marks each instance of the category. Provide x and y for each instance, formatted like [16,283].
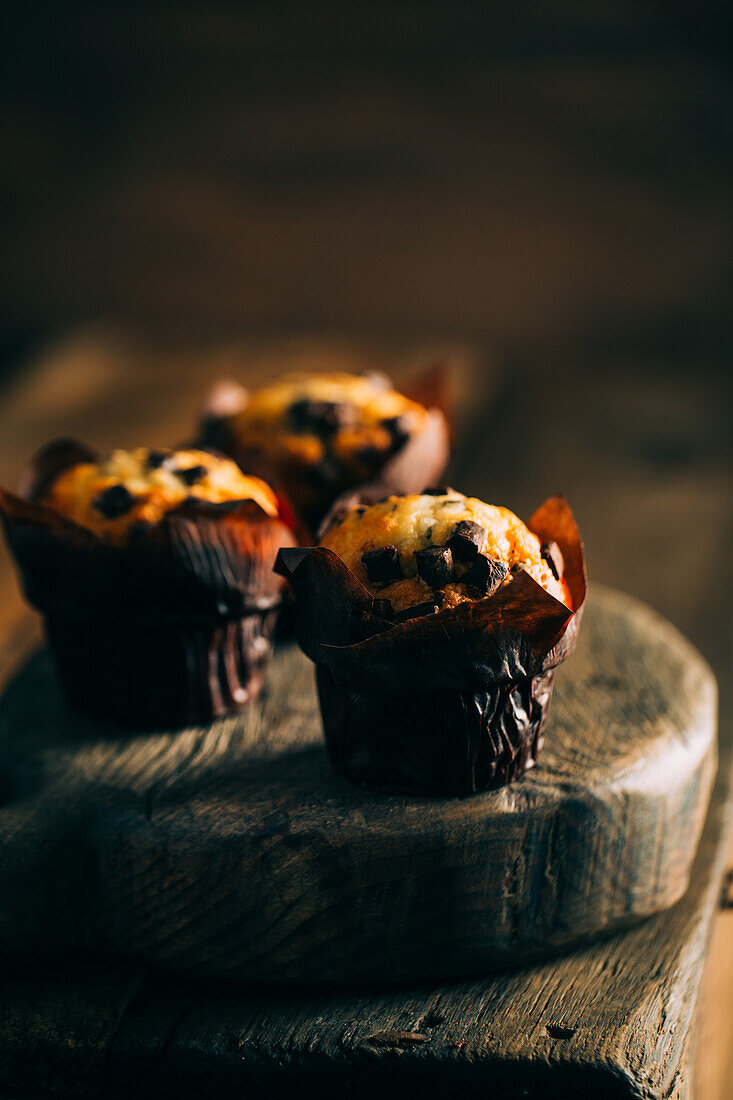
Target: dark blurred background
[542,176]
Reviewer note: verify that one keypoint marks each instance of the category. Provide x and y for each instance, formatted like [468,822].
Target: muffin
[436,622]
[153,572]
[315,436]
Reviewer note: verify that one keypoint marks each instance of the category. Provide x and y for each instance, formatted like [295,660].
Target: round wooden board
[234,851]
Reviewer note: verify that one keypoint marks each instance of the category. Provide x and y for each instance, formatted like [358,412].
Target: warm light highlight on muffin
[441,549]
[129,488]
[343,402]
[319,434]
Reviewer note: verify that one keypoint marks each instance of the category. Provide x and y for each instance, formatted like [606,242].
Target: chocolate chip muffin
[119,495]
[153,572]
[314,436]
[436,622]
[420,553]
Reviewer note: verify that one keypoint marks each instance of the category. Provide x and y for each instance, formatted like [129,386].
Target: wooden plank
[713,1042]
[612,1020]
[57,1026]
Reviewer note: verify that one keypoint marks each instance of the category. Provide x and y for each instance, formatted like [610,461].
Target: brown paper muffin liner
[161,674]
[173,628]
[447,704]
[419,462]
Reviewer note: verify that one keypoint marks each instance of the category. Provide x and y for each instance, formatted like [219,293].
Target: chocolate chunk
[155,459]
[371,456]
[416,612]
[114,502]
[382,565]
[382,609]
[322,416]
[435,565]
[399,427]
[552,554]
[192,474]
[438,491]
[486,574]
[466,540]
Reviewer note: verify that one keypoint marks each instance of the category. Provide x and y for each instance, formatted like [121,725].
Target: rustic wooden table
[632,1002]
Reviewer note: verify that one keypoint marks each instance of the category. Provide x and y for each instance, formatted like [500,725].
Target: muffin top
[129,490]
[343,424]
[433,550]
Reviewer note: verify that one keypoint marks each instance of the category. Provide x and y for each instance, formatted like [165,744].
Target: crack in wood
[401,1039]
[560,1031]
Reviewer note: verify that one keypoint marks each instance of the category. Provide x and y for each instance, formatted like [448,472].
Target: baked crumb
[440,546]
[129,488]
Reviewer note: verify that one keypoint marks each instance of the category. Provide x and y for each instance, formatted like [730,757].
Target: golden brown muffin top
[126,489]
[347,419]
[441,549]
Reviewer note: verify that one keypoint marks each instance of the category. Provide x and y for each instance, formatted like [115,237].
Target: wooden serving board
[233,851]
[616,1019]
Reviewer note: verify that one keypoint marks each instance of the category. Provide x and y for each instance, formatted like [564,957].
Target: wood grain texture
[612,1020]
[233,851]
